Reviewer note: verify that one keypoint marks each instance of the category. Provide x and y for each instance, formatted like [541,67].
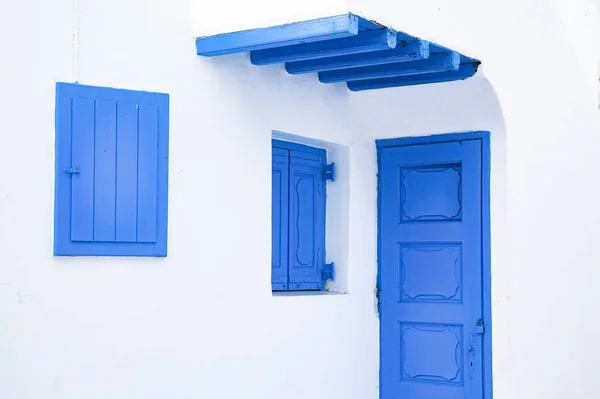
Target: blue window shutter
[111,172]
[279,220]
[307,220]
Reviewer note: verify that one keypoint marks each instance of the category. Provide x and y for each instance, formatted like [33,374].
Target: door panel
[430,271]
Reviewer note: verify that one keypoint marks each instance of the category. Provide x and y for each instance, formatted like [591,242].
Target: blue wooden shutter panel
[299,174]
[307,221]
[279,219]
[111,172]
[298,217]
[114,193]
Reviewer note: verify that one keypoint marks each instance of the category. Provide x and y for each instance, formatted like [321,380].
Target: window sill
[306,293]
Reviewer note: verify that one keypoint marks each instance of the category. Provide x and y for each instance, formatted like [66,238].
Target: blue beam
[383,39]
[365,24]
[283,35]
[465,71]
[436,48]
[435,63]
[405,51]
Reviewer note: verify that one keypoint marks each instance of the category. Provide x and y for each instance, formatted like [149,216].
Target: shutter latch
[72,171]
[479,327]
[329,171]
[327,272]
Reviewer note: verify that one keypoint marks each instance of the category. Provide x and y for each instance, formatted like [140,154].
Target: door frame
[484,137]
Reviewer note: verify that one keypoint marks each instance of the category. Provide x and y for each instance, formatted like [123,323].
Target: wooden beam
[465,71]
[364,42]
[404,52]
[435,63]
[283,35]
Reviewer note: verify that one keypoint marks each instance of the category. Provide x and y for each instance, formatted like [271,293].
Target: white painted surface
[203,323]
[541,59]
[234,15]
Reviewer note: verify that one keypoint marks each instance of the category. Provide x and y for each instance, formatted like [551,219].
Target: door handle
[471,359]
[478,330]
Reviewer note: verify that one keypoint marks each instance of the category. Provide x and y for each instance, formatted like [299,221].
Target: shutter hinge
[72,171]
[329,171]
[327,271]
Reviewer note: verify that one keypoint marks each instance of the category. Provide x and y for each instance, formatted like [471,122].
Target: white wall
[203,322]
[541,59]
[234,15]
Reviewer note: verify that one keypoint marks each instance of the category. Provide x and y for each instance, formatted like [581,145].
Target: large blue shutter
[111,172]
[307,220]
[279,220]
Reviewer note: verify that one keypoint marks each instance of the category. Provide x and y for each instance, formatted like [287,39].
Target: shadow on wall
[460,106]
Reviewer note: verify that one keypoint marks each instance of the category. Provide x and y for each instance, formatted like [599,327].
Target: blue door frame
[484,137]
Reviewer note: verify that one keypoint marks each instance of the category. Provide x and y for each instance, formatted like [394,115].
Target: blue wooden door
[431,271]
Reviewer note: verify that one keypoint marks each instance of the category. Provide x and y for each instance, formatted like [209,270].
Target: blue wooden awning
[345,48]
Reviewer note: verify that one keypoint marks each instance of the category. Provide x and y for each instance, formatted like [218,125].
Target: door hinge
[329,171]
[378,299]
[327,271]
[72,171]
